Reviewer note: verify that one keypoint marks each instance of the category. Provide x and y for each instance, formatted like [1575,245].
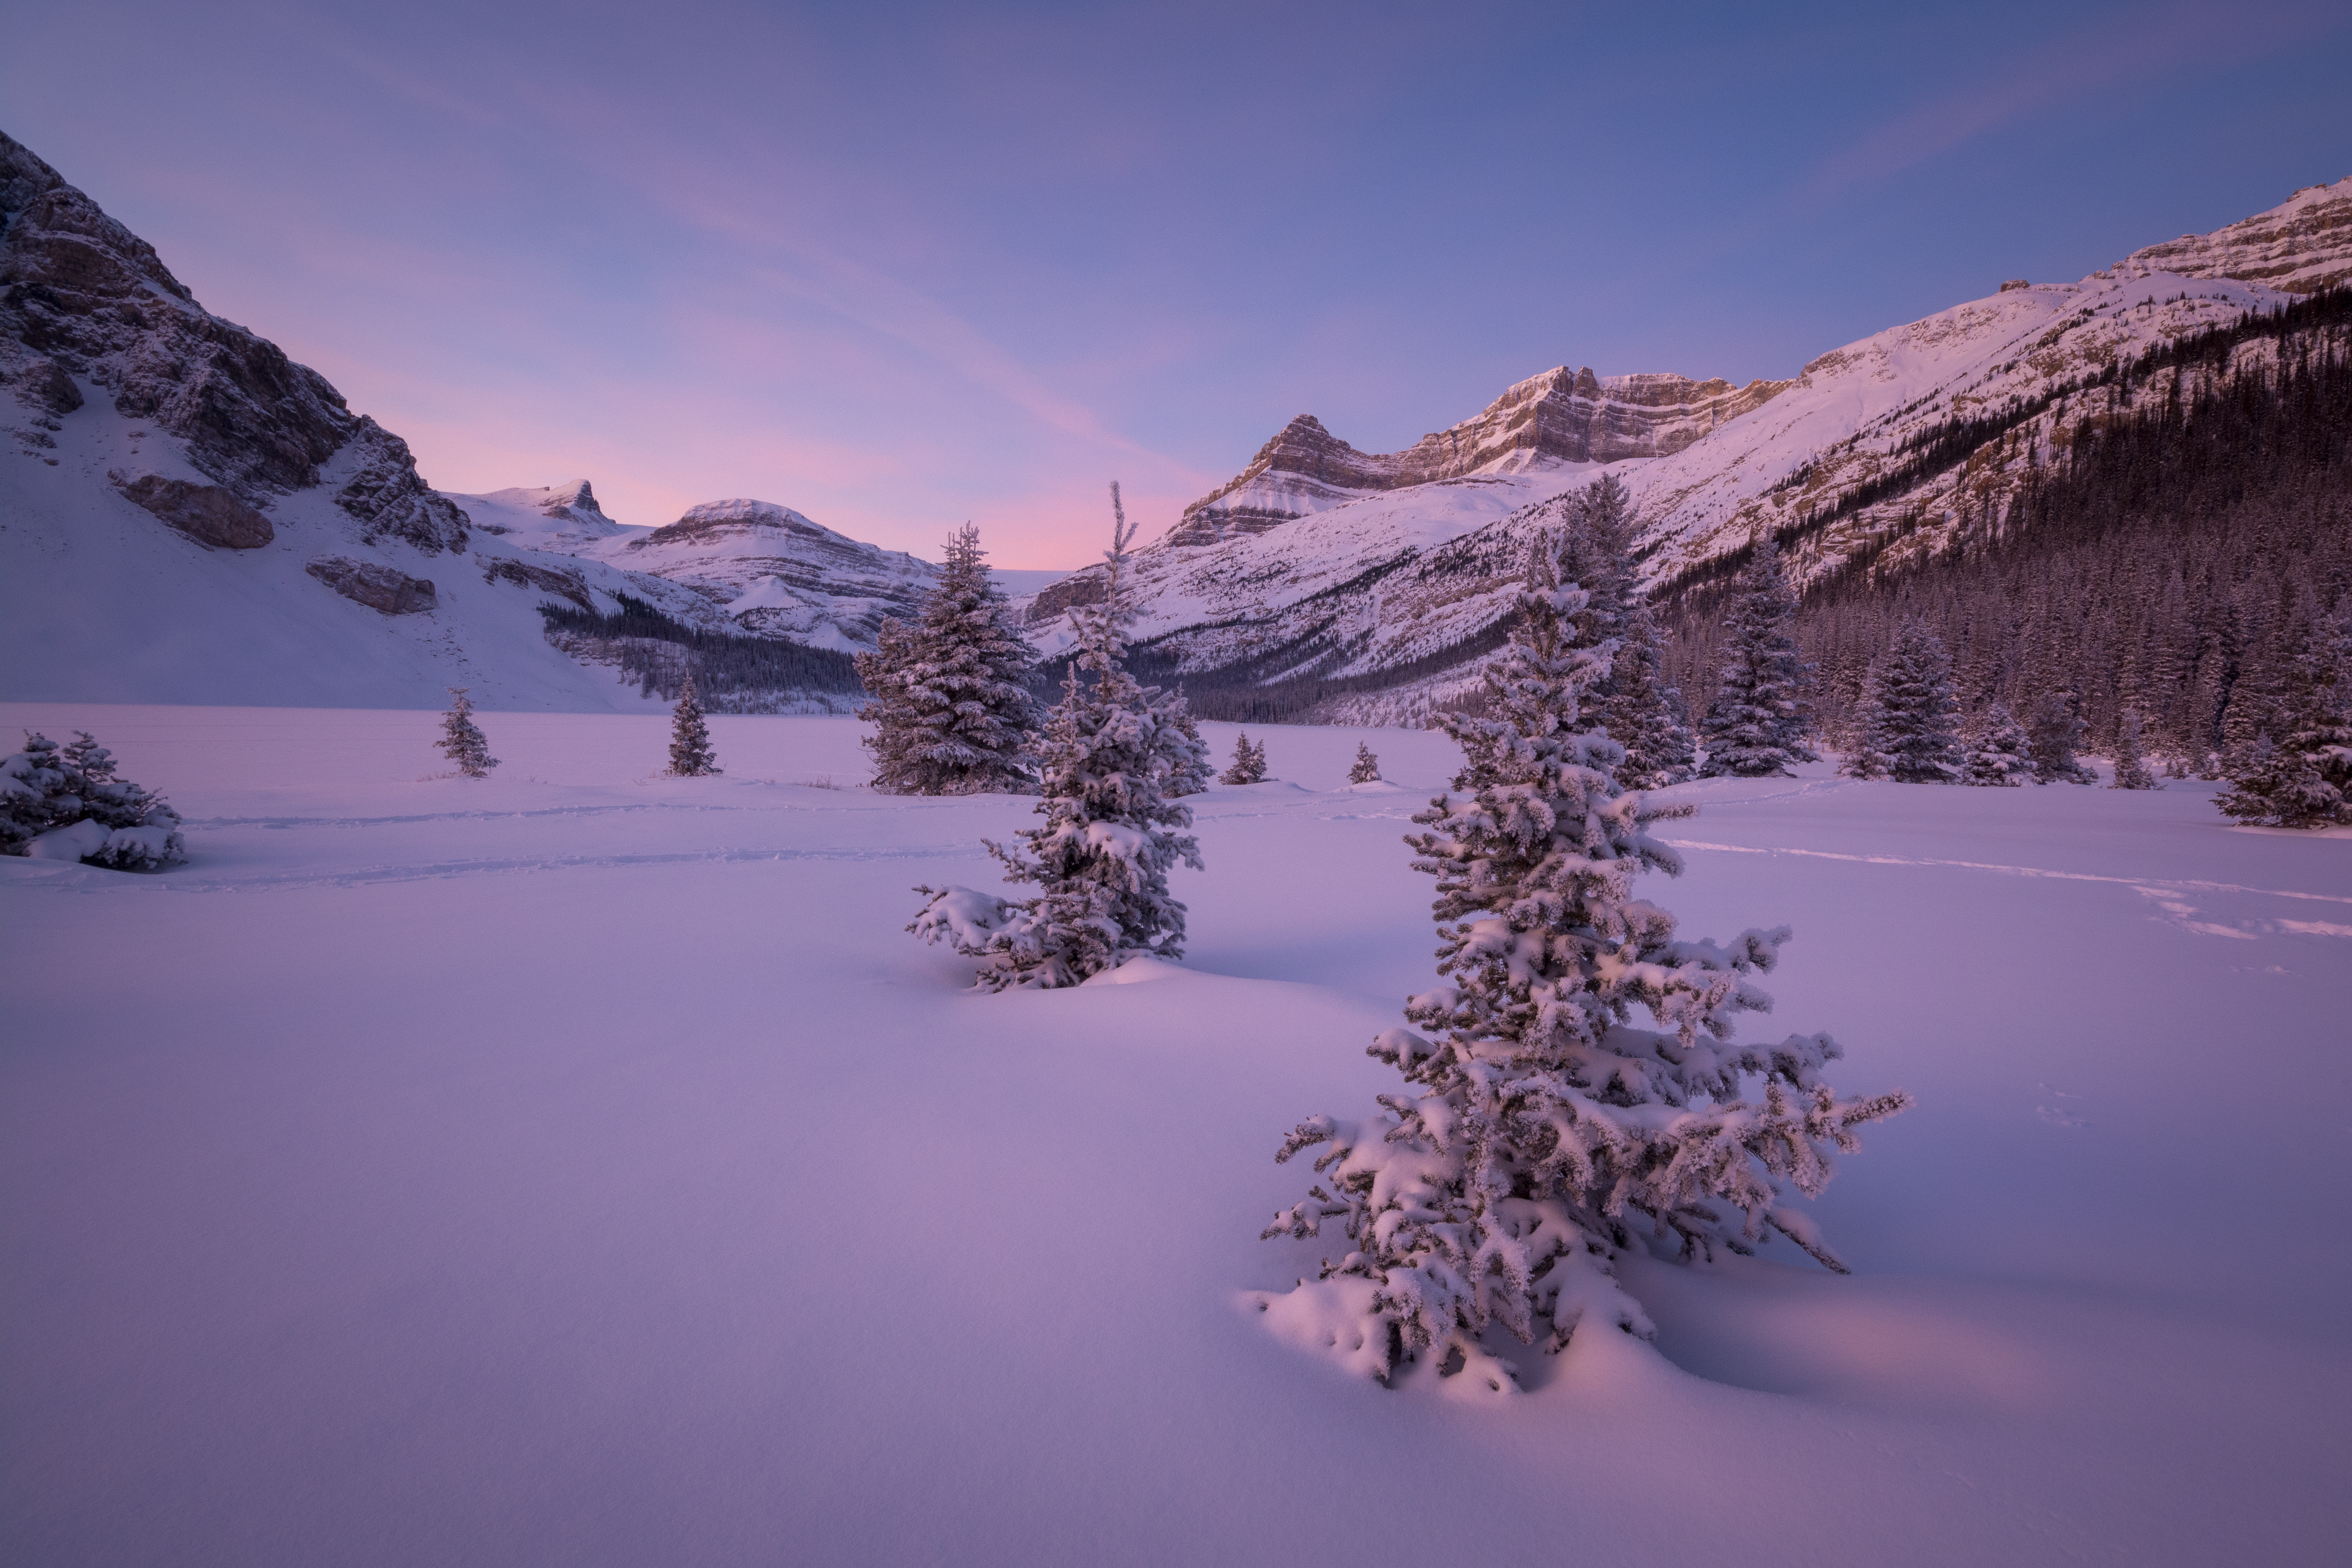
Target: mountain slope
[188,516]
[1890,448]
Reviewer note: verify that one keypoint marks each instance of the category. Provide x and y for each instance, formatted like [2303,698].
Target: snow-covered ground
[583,1167]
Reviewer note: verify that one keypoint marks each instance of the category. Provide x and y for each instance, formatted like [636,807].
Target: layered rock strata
[1562,415]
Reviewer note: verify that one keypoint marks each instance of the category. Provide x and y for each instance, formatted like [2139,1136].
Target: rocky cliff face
[86,305]
[777,573]
[1562,416]
[2300,247]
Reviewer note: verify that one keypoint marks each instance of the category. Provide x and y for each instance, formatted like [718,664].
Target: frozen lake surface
[582,1166]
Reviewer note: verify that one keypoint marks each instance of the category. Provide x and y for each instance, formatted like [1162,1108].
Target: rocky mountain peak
[1562,415]
[2300,247]
[83,299]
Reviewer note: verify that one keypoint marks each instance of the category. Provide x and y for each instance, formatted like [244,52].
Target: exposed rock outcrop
[83,297]
[2300,247]
[209,514]
[1563,415]
[379,587]
[562,583]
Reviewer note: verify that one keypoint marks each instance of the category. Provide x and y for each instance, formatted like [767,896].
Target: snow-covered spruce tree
[1544,1135]
[2304,780]
[2132,771]
[1367,766]
[1870,758]
[2053,729]
[1999,755]
[1756,726]
[1190,769]
[1636,704]
[66,804]
[1912,686]
[1111,833]
[85,756]
[1248,766]
[690,753]
[951,713]
[461,739]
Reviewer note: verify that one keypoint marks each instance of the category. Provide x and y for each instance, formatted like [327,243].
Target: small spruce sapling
[1366,768]
[1248,766]
[461,739]
[691,753]
[1543,1137]
[1108,753]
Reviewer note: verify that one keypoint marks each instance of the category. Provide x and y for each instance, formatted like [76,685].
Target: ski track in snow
[2163,891]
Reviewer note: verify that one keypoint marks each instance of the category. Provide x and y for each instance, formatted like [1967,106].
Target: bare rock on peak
[205,513]
[1560,417]
[379,587]
[93,301]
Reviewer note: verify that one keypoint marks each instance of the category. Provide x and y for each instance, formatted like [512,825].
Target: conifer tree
[2132,771]
[1111,833]
[2052,732]
[2000,755]
[1912,690]
[2304,779]
[1366,768]
[1635,704]
[950,708]
[690,753]
[1871,758]
[1190,770]
[461,740]
[1756,726]
[65,804]
[87,758]
[1248,766]
[1544,1136]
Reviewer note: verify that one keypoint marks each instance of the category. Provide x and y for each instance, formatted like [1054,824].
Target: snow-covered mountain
[1319,561]
[186,515]
[774,572]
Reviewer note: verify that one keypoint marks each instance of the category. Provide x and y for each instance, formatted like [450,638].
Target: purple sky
[902,266]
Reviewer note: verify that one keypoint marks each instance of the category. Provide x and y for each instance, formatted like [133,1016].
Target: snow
[102,603]
[583,1165]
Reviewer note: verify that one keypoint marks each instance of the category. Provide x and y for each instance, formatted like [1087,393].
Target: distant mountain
[1320,581]
[776,573]
[187,515]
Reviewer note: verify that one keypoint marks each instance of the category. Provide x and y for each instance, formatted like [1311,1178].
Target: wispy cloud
[2129,47]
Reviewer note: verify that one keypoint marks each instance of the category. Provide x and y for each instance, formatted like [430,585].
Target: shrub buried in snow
[1545,1135]
[1110,753]
[66,804]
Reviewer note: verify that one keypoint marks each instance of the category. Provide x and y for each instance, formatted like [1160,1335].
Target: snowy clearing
[582,1166]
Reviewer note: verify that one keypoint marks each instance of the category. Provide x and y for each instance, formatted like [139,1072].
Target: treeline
[2170,563]
[732,673]
[2301,328]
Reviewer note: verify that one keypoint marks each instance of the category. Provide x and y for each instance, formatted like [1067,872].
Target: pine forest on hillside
[2172,561]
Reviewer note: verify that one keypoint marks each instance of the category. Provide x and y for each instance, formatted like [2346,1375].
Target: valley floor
[582,1166]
